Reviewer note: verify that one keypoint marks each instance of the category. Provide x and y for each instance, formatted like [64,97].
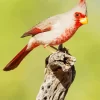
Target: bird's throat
[77,25]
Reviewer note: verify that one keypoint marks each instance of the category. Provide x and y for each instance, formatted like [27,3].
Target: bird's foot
[53,49]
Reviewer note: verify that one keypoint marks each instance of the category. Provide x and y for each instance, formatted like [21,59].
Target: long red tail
[17,59]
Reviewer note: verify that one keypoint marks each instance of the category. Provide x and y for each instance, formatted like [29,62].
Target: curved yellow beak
[84,20]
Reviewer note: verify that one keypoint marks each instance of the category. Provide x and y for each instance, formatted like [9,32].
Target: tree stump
[59,74]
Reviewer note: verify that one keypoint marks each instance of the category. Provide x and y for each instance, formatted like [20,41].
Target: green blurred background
[23,83]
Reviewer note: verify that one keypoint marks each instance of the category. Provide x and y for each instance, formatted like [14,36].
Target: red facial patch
[78,16]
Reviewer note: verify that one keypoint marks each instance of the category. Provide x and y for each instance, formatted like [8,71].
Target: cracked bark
[59,75]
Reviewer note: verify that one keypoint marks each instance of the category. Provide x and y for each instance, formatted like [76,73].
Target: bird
[53,31]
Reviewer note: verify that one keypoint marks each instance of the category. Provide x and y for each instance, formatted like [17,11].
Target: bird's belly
[65,36]
[47,38]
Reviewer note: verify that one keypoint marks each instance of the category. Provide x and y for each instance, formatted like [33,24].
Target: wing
[43,26]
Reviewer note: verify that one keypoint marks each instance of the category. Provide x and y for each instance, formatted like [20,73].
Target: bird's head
[79,13]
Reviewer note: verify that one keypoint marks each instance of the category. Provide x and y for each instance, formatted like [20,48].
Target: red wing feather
[32,32]
[43,26]
[35,31]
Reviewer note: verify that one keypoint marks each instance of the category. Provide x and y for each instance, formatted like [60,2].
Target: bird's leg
[52,49]
[60,47]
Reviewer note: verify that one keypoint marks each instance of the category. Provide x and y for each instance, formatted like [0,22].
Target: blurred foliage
[18,16]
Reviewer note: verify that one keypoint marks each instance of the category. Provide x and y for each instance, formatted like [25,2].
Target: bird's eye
[77,15]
